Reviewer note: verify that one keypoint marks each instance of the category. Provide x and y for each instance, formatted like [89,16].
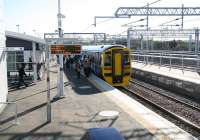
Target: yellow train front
[111,62]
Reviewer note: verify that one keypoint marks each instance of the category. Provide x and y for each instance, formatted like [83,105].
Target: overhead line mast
[60,83]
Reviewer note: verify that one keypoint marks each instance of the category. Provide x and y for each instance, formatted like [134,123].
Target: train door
[117,67]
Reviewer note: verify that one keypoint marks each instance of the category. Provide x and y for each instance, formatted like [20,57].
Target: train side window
[126,59]
[107,60]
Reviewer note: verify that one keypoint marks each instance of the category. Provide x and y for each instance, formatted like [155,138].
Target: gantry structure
[157,11]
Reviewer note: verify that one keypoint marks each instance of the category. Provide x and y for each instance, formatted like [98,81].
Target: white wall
[3,68]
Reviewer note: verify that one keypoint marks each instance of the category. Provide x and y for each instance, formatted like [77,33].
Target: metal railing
[15,112]
[183,61]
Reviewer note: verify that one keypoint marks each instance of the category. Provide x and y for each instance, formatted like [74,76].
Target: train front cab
[116,66]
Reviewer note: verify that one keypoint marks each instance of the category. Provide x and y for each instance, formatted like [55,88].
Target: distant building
[3,69]
[22,48]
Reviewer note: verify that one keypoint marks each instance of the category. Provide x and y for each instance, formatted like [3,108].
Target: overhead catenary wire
[152,3]
[88,27]
[124,25]
[104,20]
[176,19]
[142,18]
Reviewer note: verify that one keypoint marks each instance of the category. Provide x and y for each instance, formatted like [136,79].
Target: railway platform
[88,103]
[188,82]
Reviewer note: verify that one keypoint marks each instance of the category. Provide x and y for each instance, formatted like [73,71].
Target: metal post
[147,41]
[141,42]
[128,38]
[61,76]
[147,44]
[147,16]
[147,58]
[152,48]
[190,42]
[48,85]
[152,44]
[196,41]
[198,60]
[182,14]
[182,63]
[60,41]
[104,38]
[160,59]
[170,61]
[95,40]
[34,61]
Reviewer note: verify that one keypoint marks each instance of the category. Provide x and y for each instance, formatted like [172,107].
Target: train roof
[99,48]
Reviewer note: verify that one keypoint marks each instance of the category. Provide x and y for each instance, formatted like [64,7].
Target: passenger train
[110,62]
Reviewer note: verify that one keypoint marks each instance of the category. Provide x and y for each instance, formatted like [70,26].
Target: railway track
[194,106]
[184,114]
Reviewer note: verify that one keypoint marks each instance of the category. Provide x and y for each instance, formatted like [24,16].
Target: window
[107,60]
[126,59]
[13,59]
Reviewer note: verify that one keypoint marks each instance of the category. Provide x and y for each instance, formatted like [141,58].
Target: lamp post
[60,84]
[17,27]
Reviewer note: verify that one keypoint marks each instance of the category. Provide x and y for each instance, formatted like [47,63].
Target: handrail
[163,56]
[185,62]
[185,55]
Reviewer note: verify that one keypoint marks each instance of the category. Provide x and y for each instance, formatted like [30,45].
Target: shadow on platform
[81,86]
[42,136]
[130,134]
[14,87]
[25,112]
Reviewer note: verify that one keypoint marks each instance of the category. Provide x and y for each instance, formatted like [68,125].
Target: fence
[178,60]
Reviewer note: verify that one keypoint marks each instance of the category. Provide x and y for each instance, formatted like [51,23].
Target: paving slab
[71,116]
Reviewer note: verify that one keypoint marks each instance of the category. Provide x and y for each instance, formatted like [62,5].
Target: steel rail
[165,95]
[169,113]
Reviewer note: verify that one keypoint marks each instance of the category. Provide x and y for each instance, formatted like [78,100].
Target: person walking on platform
[87,68]
[67,62]
[30,67]
[70,62]
[21,76]
[78,69]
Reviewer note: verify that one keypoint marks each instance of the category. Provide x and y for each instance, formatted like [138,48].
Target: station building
[22,48]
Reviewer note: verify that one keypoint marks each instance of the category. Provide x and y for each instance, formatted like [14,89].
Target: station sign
[72,49]
[65,49]
[57,49]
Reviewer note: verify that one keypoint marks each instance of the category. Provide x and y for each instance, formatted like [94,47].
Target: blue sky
[40,15]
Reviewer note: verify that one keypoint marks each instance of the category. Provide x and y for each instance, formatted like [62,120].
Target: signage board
[57,49]
[72,49]
[65,49]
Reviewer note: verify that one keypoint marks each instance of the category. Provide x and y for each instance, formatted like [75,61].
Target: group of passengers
[78,63]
